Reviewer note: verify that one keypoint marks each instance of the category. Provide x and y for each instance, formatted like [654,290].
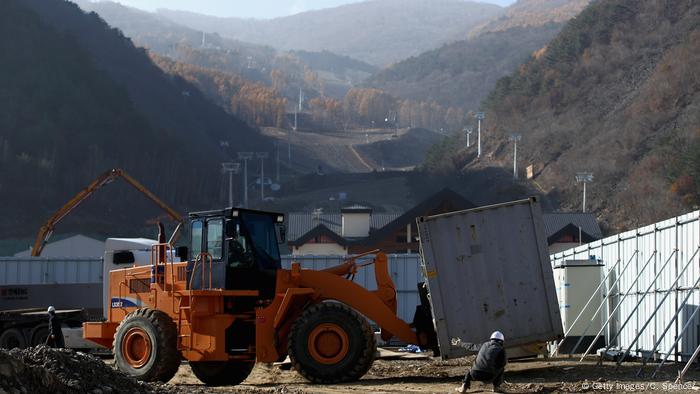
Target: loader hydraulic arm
[104,178]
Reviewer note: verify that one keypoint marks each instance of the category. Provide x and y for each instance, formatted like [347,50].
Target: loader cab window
[263,235]
[240,254]
[197,227]
[215,238]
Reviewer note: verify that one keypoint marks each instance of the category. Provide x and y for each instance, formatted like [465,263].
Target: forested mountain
[531,13]
[77,98]
[379,32]
[617,93]
[461,74]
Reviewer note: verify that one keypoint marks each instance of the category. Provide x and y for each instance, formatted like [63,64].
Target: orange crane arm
[104,178]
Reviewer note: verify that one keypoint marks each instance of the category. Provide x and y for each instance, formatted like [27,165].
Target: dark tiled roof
[555,222]
[317,231]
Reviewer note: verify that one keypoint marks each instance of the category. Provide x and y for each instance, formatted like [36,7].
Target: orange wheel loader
[231,304]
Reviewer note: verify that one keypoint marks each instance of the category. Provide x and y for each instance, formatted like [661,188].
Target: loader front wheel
[331,343]
[145,346]
[222,373]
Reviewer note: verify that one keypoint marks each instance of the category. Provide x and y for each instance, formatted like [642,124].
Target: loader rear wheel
[145,346]
[331,343]
[222,373]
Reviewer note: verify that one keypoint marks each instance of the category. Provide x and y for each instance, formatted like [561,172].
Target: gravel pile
[44,370]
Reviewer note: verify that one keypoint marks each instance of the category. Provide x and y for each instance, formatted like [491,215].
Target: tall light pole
[515,138]
[277,175]
[262,156]
[584,177]
[245,156]
[468,131]
[232,168]
[479,117]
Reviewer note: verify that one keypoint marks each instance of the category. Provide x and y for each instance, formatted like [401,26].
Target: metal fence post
[675,282]
[639,302]
[611,314]
[668,353]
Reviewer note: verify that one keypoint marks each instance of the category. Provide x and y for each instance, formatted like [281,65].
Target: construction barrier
[650,294]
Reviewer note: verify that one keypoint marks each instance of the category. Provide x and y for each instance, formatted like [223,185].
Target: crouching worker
[55,337]
[489,365]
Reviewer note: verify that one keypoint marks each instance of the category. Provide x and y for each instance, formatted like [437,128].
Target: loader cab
[243,246]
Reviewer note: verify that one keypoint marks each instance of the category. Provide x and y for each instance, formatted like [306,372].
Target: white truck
[75,287]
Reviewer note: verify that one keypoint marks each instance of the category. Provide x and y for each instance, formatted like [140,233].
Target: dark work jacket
[491,357]
[55,330]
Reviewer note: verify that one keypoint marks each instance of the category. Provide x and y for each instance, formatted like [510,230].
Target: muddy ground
[559,375]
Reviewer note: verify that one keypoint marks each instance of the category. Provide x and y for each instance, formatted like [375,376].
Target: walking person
[489,365]
[55,337]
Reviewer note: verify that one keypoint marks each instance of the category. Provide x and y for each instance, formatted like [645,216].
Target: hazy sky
[250,9]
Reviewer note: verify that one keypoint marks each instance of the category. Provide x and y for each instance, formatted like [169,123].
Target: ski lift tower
[584,177]
[515,138]
[479,117]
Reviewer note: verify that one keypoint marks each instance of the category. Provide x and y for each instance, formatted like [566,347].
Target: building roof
[555,222]
[300,223]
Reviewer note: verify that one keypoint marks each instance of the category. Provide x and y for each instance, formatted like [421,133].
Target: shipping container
[488,269]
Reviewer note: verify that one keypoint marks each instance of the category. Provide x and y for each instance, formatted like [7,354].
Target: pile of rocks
[42,369]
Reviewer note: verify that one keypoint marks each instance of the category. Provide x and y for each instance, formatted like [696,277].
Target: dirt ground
[432,375]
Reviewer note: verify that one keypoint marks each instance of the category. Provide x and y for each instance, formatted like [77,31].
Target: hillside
[253,62]
[378,32]
[78,98]
[461,74]
[617,93]
[532,13]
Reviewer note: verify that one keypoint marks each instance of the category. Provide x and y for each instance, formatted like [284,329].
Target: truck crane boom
[107,177]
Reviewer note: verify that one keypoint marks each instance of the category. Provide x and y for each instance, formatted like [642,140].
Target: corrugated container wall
[658,267]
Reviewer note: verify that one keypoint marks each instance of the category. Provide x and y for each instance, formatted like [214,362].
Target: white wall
[77,246]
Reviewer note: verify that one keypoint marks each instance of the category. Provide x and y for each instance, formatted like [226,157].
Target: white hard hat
[498,335]
[51,309]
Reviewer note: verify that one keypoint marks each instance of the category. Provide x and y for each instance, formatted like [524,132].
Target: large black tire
[222,373]
[145,346]
[12,338]
[331,343]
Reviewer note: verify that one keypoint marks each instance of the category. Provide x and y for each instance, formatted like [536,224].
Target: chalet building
[357,229]
[568,230]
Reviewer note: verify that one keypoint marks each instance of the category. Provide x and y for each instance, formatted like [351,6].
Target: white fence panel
[667,246]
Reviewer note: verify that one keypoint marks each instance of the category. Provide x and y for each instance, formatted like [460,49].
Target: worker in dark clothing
[489,365]
[55,337]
